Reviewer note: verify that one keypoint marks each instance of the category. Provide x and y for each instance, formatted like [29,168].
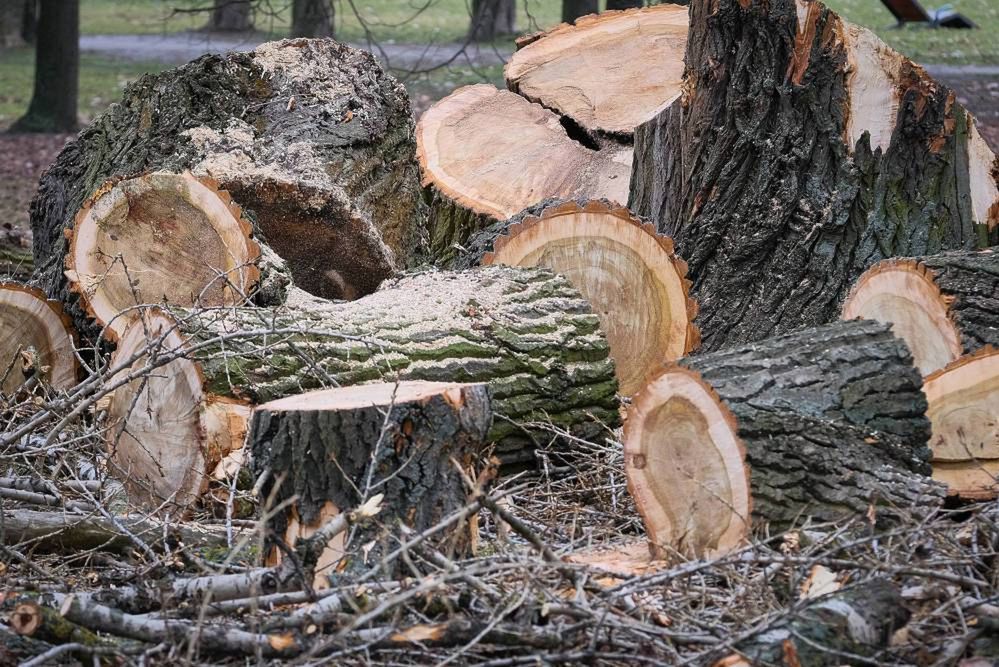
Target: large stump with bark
[331,450]
[802,151]
[630,275]
[311,137]
[822,423]
[36,340]
[942,306]
[524,332]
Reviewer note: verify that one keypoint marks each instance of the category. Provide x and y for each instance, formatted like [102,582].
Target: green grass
[926,45]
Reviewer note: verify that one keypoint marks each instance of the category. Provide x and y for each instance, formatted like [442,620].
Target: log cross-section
[36,340]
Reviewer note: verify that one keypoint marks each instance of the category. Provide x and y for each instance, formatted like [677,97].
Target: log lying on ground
[310,136]
[608,72]
[821,423]
[36,340]
[488,154]
[963,400]
[525,332]
[942,306]
[331,448]
[797,158]
[630,275]
[160,237]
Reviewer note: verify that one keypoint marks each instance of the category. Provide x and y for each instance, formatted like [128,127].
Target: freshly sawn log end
[630,275]
[964,412]
[159,237]
[35,339]
[640,57]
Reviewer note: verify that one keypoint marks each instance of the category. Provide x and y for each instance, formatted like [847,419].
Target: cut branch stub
[964,411]
[333,448]
[158,238]
[35,339]
[488,154]
[608,72]
[630,275]
[824,423]
[942,306]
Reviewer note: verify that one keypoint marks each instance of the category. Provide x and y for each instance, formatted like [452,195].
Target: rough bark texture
[573,9]
[970,282]
[781,182]
[833,420]
[311,18]
[492,19]
[525,332]
[231,16]
[400,447]
[57,64]
[311,137]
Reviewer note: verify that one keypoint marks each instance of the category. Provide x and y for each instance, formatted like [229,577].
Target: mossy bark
[453,228]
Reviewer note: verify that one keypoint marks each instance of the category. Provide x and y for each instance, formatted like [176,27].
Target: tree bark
[231,16]
[12,23]
[525,332]
[573,9]
[57,63]
[311,138]
[312,18]
[802,151]
[396,439]
[624,4]
[943,306]
[492,19]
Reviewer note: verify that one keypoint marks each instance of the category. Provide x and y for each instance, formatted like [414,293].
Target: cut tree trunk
[312,18]
[492,19]
[231,16]
[963,400]
[630,275]
[802,151]
[161,237]
[310,137]
[57,67]
[525,332]
[488,154]
[607,73]
[573,9]
[333,448]
[36,340]
[942,306]
[30,619]
[822,423]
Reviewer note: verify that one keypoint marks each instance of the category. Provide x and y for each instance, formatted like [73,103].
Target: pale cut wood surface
[34,335]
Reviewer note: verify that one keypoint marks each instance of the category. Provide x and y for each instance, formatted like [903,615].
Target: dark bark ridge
[751,174]
[311,137]
[970,282]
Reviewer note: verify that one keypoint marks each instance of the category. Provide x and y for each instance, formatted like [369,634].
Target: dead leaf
[419,633]
[281,642]
[821,580]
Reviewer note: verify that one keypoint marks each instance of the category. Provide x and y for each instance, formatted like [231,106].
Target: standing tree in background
[17,22]
[231,16]
[57,65]
[492,19]
[624,4]
[573,9]
[311,18]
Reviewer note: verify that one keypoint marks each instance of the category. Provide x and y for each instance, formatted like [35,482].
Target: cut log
[159,238]
[311,137]
[630,275]
[964,411]
[488,154]
[525,332]
[29,619]
[330,449]
[36,340]
[822,423]
[797,158]
[609,72]
[942,306]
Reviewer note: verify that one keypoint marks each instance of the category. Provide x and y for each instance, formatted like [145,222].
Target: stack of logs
[547,223]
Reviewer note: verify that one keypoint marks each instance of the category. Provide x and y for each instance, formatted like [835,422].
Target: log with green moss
[525,332]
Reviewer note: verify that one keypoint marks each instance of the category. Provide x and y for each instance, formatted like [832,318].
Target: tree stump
[607,73]
[488,154]
[822,423]
[630,275]
[524,332]
[333,449]
[311,137]
[158,238]
[36,340]
[942,306]
[963,399]
[802,151]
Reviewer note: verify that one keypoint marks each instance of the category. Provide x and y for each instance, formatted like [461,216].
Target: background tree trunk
[231,16]
[573,9]
[492,19]
[624,4]
[57,61]
[311,18]
[11,23]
